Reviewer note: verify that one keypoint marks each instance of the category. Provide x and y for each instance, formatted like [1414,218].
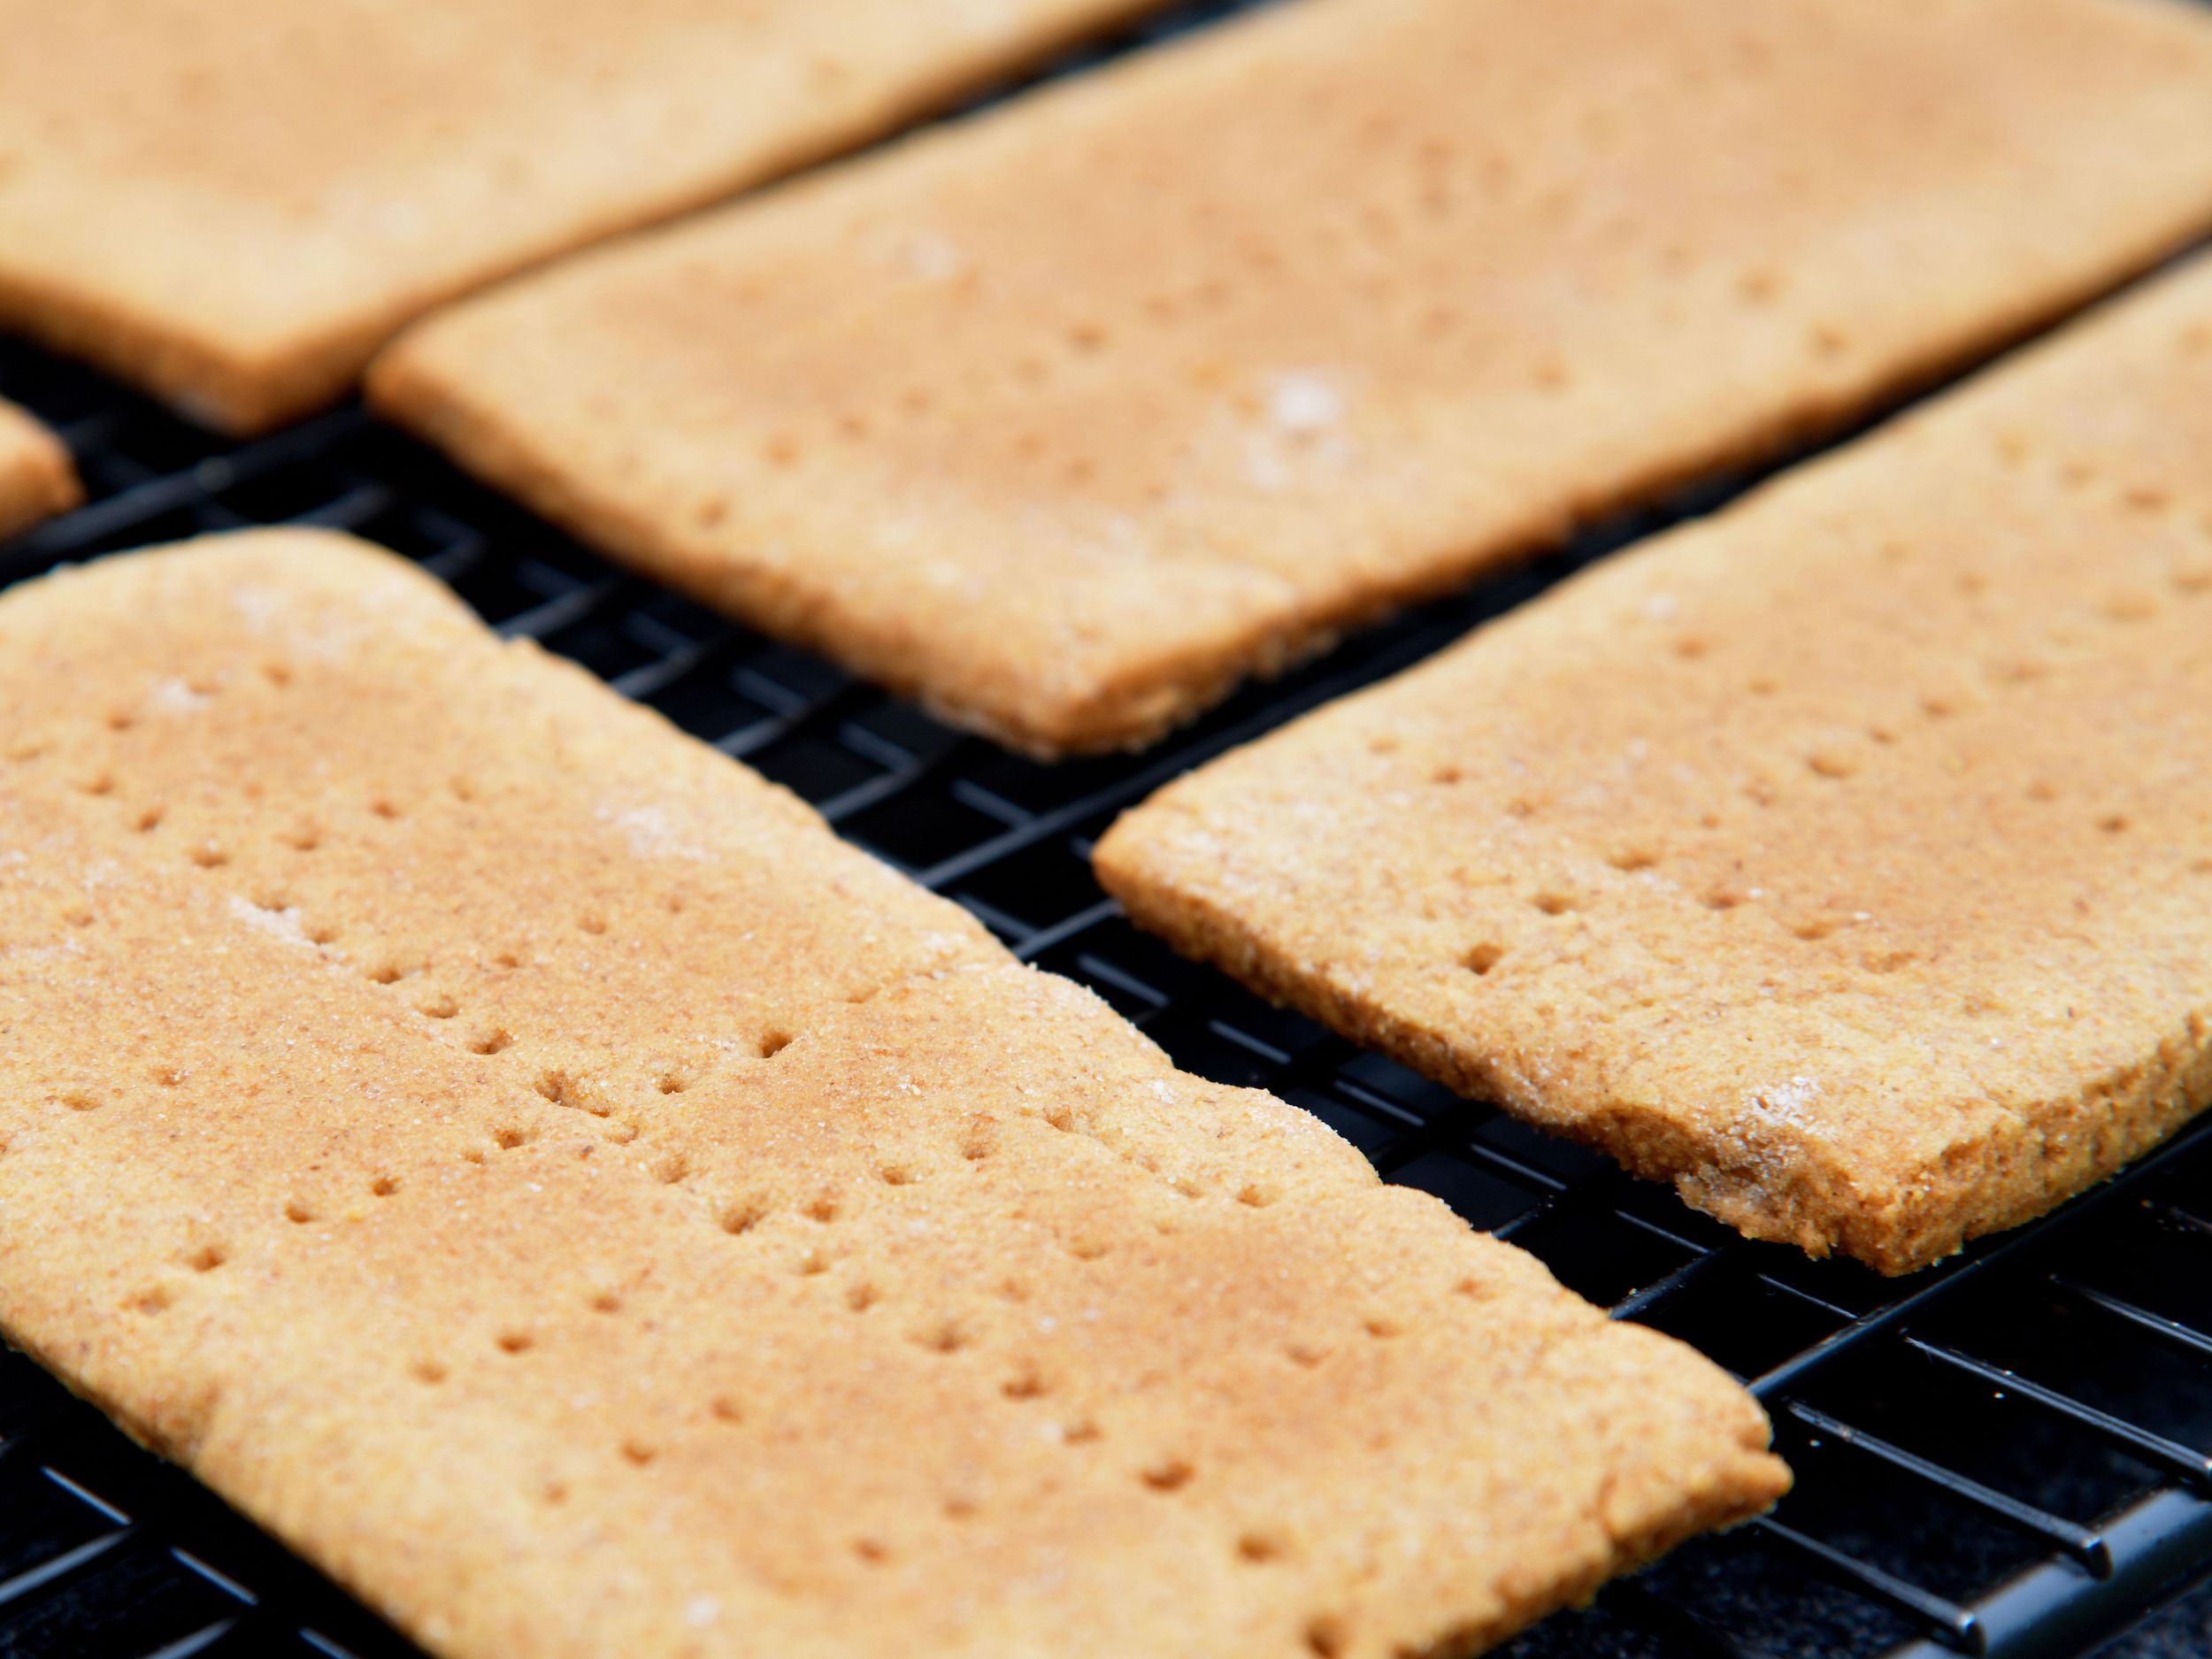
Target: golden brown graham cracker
[528,1163]
[1846,859]
[1069,418]
[237,216]
[37,479]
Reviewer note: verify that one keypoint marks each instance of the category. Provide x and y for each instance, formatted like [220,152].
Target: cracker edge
[41,482]
[1820,1202]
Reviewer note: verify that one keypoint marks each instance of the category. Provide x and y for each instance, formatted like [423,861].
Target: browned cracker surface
[236,208]
[529,1163]
[1069,419]
[36,478]
[1846,860]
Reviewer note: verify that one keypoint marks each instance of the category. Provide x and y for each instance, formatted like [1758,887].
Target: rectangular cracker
[237,216]
[1846,859]
[37,479]
[529,1163]
[1068,419]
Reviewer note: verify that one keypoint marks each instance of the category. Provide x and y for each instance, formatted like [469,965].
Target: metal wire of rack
[2003,1456]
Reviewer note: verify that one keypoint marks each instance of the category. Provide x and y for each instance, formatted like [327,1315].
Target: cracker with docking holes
[1069,418]
[237,216]
[1845,859]
[529,1163]
[36,478]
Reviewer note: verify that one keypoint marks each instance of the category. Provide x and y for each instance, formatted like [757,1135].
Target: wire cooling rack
[2000,1456]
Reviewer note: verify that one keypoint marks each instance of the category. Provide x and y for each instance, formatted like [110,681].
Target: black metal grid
[2002,1457]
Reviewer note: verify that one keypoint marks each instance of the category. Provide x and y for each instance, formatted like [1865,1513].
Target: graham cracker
[37,479]
[1069,419]
[530,1165]
[1845,859]
[237,216]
